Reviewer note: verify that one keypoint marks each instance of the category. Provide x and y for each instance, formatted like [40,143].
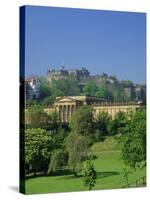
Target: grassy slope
[109,169]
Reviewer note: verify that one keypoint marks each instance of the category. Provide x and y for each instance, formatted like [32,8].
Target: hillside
[109,144]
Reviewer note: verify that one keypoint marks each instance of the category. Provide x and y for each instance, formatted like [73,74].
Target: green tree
[58,160]
[31,102]
[101,122]
[82,121]
[118,95]
[44,88]
[99,136]
[47,101]
[90,88]
[53,122]
[38,145]
[59,137]
[89,175]
[77,148]
[36,117]
[102,91]
[116,125]
[65,87]
[133,140]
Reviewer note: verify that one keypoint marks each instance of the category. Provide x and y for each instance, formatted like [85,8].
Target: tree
[82,121]
[101,122]
[102,91]
[118,95]
[58,160]
[47,101]
[36,117]
[77,148]
[99,136]
[90,88]
[44,89]
[133,140]
[59,137]
[53,122]
[38,145]
[116,125]
[31,102]
[89,174]
[65,87]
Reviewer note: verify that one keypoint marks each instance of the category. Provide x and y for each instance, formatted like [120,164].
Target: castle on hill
[79,74]
[82,75]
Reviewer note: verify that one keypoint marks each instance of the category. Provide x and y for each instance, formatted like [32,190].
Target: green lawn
[109,169]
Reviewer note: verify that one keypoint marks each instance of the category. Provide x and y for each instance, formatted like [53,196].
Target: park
[116,149]
[108,166]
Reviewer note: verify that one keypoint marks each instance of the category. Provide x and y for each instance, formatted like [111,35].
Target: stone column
[70,113]
[66,113]
[62,113]
[59,113]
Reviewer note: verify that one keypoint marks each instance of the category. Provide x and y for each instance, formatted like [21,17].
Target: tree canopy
[82,121]
[89,174]
[36,117]
[102,121]
[38,145]
[77,148]
[65,87]
[133,140]
[58,160]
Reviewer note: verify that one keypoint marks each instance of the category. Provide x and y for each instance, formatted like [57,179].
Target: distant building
[140,92]
[53,74]
[32,88]
[136,92]
[66,106]
[78,74]
[129,92]
[104,78]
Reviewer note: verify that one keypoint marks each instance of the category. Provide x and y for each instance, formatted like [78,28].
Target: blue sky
[101,41]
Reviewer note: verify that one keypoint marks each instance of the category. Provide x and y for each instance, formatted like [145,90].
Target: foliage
[59,138]
[112,127]
[44,88]
[64,87]
[102,121]
[31,102]
[89,174]
[53,122]
[38,145]
[82,121]
[118,95]
[69,86]
[99,136]
[36,117]
[77,148]
[116,125]
[47,101]
[90,88]
[102,91]
[58,160]
[133,140]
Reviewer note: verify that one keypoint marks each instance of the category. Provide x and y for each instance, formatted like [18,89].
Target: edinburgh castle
[65,105]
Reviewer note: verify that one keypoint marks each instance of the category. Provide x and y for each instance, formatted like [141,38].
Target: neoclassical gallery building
[66,106]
